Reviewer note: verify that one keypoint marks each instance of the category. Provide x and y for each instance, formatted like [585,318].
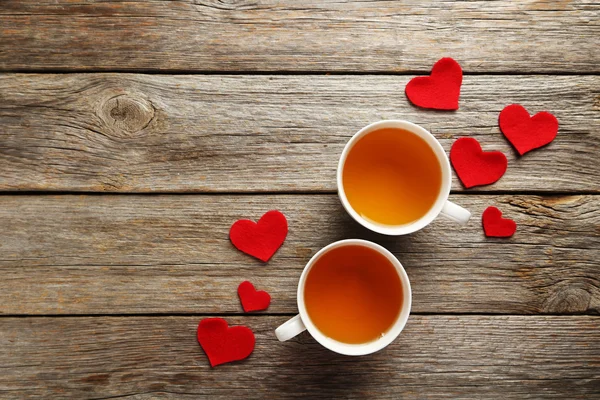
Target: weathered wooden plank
[308,35]
[435,357]
[146,133]
[171,254]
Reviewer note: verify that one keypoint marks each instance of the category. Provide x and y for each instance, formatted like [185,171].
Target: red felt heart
[496,226]
[474,166]
[526,133]
[223,344]
[440,90]
[261,239]
[252,299]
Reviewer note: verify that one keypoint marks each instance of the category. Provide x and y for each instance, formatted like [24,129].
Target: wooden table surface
[134,133]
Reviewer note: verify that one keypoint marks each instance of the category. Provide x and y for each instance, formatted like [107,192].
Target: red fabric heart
[252,299]
[223,344]
[526,133]
[474,166]
[440,90]
[261,239]
[496,226]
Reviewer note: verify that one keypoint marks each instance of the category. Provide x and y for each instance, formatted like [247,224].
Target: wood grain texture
[308,35]
[171,254]
[153,133]
[435,357]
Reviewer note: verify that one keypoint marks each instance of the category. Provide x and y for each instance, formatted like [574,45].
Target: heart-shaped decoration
[252,299]
[474,166]
[524,132]
[223,344]
[261,239]
[496,226]
[440,90]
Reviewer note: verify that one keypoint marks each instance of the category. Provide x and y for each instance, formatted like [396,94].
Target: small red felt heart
[440,90]
[261,239]
[524,132]
[252,299]
[223,344]
[474,166]
[496,226]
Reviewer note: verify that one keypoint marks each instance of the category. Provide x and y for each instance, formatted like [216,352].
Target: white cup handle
[456,213]
[289,329]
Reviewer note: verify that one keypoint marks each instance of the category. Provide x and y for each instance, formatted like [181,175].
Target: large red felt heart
[440,90]
[526,133]
[252,299]
[496,226]
[261,239]
[223,344]
[474,166]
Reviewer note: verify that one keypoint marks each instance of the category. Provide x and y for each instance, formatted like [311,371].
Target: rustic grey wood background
[134,133]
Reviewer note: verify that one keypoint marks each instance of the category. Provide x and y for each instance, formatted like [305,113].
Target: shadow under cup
[354,297]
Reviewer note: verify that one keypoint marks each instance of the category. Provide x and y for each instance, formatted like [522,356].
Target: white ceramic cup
[302,321]
[441,205]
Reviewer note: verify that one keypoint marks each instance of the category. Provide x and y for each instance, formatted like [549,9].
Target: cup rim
[443,195]
[362,348]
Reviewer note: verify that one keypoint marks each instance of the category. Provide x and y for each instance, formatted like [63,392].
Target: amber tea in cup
[392,177]
[353,294]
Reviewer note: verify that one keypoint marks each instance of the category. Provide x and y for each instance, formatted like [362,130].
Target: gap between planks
[288,314]
[46,71]
[284,193]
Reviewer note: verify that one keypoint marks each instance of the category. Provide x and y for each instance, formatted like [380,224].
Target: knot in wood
[127,114]
[568,299]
